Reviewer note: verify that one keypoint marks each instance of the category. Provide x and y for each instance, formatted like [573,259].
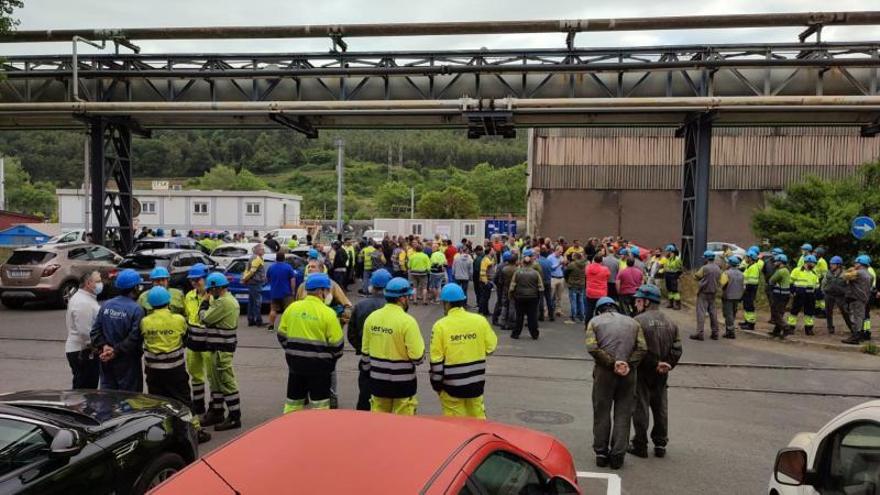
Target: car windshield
[229,251]
[30,257]
[144,245]
[236,267]
[143,262]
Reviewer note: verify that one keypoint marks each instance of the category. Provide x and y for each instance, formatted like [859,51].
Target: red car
[331,452]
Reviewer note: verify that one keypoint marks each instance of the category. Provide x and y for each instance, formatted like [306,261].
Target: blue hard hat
[216,280]
[452,293]
[128,279]
[863,259]
[836,260]
[709,255]
[781,258]
[313,254]
[159,272]
[648,291]
[635,251]
[753,254]
[807,247]
[754,248]
[670,248]
[317,281]
[622,252]
[604,301]
[777,250]
[398,287]
[528,252]
[809,258]
[505,256]
[734,261]
[160,232]
[820,250]
[379,279]
[158,296]
[197,271]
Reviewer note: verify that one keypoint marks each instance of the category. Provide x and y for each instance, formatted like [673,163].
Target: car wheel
[162,468]
[13,303]
[66,292]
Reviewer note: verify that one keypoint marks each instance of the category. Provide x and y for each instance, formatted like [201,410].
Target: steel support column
[695,188]
[110,156]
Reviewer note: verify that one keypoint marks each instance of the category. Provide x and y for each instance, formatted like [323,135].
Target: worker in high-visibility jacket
[671,273]
[821,269]
[804,281]
[219,317]
[198,360]
[160,277]
[311,336]
[392,347]
[460,342]
[752,279]
[164,353]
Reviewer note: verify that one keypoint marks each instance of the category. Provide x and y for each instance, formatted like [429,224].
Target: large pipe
[454,28]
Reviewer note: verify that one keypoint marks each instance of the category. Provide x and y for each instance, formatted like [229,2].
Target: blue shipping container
[500,227]
[21,235]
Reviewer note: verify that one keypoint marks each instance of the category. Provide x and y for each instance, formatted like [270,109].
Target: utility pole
[340,174]
[412,203]
[2,183]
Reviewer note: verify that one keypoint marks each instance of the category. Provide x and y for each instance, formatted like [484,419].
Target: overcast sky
[57,14]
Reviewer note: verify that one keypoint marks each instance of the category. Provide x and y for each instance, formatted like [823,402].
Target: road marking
[613,480]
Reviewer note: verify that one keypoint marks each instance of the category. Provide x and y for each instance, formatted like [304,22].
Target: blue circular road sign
[861,226]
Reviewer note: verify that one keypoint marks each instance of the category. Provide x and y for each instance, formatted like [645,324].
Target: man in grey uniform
[617,344]
[664,352]
[709,280]
[860,288]
[733,287]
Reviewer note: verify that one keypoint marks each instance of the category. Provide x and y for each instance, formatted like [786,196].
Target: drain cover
[545,417]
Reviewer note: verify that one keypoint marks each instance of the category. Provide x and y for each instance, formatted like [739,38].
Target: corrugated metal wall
[650,158]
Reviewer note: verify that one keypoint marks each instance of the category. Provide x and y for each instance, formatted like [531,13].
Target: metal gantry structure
[486,92]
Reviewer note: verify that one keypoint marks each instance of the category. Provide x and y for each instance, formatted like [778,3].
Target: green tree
[7,22]
[390,197]
[820,212]
[499,190]
[225,177]
[23,196]
[452,202]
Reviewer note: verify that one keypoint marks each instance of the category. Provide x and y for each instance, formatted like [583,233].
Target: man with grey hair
[81,312]
[254,277]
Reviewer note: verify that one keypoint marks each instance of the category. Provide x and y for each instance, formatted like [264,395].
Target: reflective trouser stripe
[749,316]
[227,385]
[291,405]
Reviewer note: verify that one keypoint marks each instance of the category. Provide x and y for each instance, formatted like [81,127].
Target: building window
[252,208]
[200,208]
[416,229]
[148,207]
[470,230]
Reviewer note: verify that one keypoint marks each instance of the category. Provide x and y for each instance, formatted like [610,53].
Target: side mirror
[65,444]
[791,467]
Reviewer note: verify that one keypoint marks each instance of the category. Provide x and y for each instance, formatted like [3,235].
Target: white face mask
[99,287]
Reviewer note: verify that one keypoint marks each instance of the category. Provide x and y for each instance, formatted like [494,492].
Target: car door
[848,460]
[498,470]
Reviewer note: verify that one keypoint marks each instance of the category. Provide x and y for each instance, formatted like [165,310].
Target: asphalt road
[732,403]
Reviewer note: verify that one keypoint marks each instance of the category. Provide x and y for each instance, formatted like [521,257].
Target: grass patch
[871,348]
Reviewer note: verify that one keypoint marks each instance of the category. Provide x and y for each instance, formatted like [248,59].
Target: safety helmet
[670,248]
[863,259]
[807,247]
[215,280]
[734,261]
[635,251]
[197,271]
[159,272]
[506,256]
[452,293]
[128,279]
[709,255]
[529,252]
[754,248]
[648,291]
[313,254]
[809,258]
[379,279]
[781,258]
[158,296]
[820,250]
[317,281]
[605,301]
[160,232]
[398,287]
[623,252]
[836,260]
[777,250]
[753,255]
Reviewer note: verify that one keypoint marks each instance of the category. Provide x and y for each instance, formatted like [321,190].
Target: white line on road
[613,480]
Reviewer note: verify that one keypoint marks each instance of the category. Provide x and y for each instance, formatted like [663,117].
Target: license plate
[18,273]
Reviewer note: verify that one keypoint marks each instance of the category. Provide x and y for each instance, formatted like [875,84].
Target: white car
[841,458]
[722,247]
[226,253]
[284,235]
[376,235]
[77,235]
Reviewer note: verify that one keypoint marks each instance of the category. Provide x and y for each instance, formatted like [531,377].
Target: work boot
[853,339]
[601,460]
[616,461]
[696,336]
[670,304]
[729,334]
[677,304]
[865,336]
[809,331]
[203,436]
[830,330]
[638,451]
[334,402]
[713,336]
[659,451]
[746,325]
[789,330]
[776,332]
[229,424]
[211,418]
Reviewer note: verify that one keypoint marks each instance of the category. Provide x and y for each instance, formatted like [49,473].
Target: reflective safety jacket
[419,263]
[460,342]
[752,274]
[164,334]
[349,250]
[367,256]
[311,336]
[803,279]
[197,339]
[176,306]
[821,268]
[780,281]
[220,319]
[392,348]
[673,264]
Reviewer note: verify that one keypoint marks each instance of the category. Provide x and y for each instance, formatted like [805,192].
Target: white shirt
[81,312]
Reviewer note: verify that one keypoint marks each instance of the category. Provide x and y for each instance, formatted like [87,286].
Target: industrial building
[192,209]
[593,182]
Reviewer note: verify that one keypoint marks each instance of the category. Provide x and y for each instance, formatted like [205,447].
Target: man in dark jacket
[526,288]
[116,334]
[860,290]
[359,314]
[664,352]
[834,289]
[504,314]
[709,280]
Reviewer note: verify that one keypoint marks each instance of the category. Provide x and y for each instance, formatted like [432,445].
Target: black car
[91,441]
[177,261]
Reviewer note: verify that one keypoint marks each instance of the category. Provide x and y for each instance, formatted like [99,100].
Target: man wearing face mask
[460,342]
[82,309]
[116,335]
[219,317]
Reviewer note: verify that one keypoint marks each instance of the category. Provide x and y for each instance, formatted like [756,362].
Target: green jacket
[781,278]
[220,319]
[177,305]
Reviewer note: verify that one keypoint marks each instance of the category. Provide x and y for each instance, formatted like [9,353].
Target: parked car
[452,455]
[91,441]
[224,254]
[177,261]
[78,235]
[842,457]
[723,247]
[51,272]
[376,235]
[164,243]
[234,271]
